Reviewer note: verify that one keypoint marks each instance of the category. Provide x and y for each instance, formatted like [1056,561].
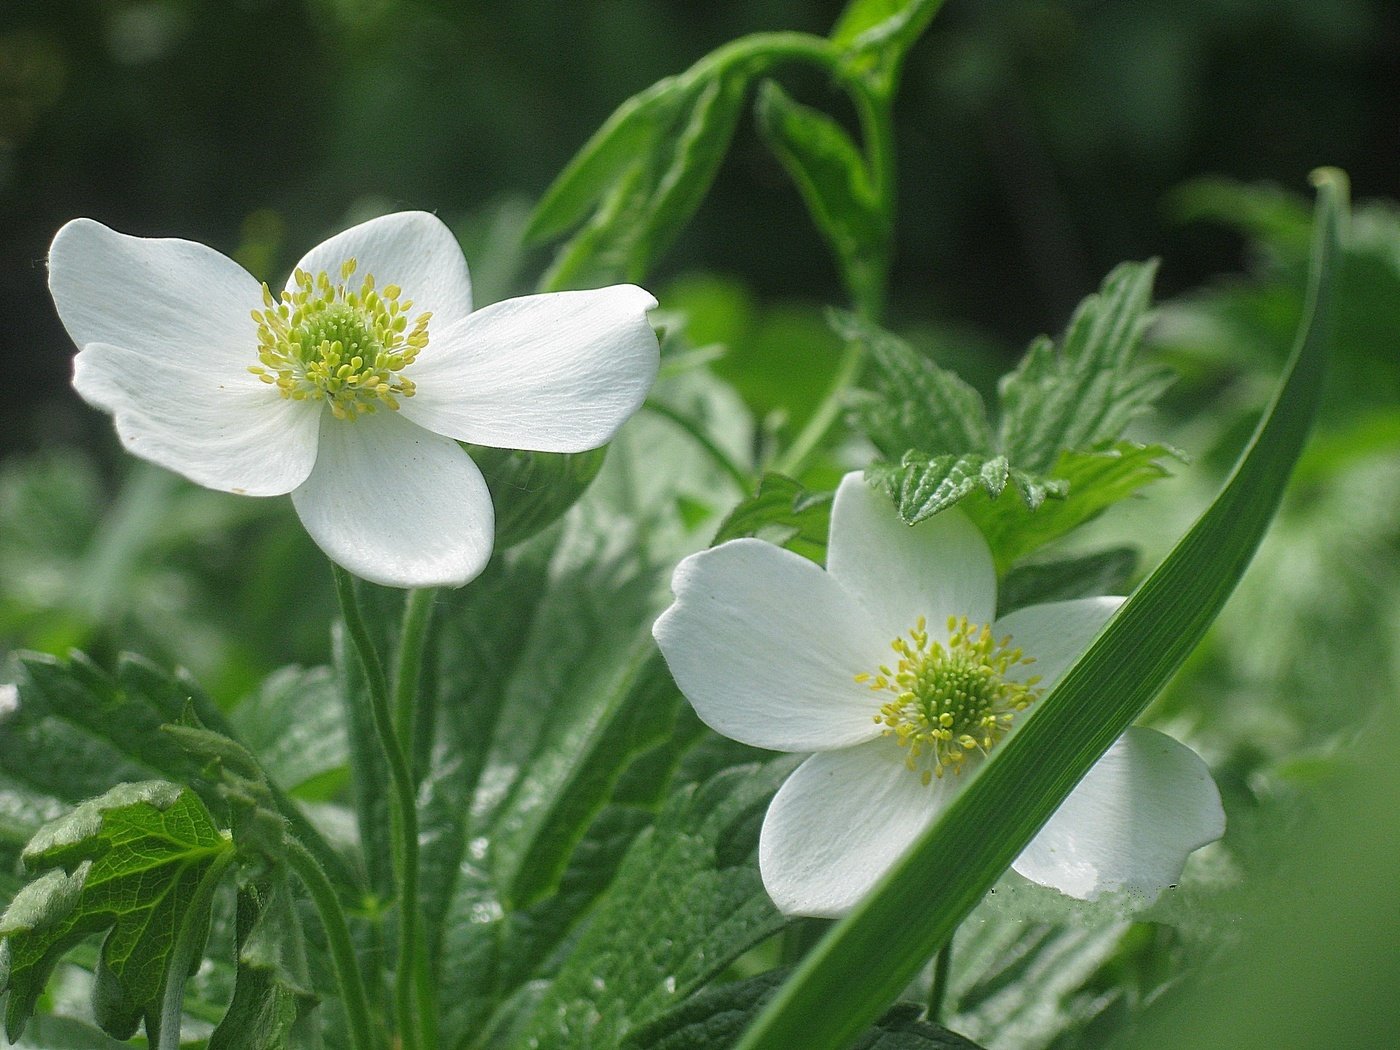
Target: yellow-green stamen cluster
[952,699]
[329,341]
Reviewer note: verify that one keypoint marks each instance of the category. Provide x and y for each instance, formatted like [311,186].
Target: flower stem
[877,128]
[720,458]
[411,987]
[942,964]
[417,615]
[347,971]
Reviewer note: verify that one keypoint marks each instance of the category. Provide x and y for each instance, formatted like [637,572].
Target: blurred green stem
[408,673]
[718,455]
[942,964]
[416,1022]
[877,128]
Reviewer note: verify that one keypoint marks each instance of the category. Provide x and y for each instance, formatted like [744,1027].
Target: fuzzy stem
[415,1020]
[347,971]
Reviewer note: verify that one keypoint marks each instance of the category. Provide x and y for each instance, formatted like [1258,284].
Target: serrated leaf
[137,861]
[559,731]
[717,1016]
[644,177]
[1035,583]
[783,513]
[869,956]
[76,731]
[921,406]
[1084,393]
[531,490]
[686,901]
[834,180]
[922,485]
[1084,484]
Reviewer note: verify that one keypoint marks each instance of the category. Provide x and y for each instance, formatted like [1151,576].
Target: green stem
[877,128]
[184,958]
[415,1018]
[848,371]
[417,614]
[347,971]
[718,455]
[942,964]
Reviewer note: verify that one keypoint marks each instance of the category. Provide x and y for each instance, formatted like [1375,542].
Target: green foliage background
[1039,143]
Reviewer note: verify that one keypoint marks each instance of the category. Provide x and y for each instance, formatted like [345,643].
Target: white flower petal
[395,504]
[237,436]
[839,823]
[176,301]
[412,249]
[1055,634]
[938,568]
[766,647]
[549,373]
[1130,824]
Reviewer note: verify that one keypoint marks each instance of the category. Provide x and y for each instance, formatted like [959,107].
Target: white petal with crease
[413,249]
[766,647]
[1131,822]
[938,568]
[1055,634]
[839,823]
[240,436]
[397,505]
[549,373]
[177,302]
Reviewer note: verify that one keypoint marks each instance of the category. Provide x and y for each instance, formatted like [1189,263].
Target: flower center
[344,345]
[951,699]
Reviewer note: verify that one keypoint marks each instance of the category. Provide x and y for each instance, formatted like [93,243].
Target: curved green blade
[870,956]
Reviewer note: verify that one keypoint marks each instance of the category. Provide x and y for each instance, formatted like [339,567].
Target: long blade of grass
[869,957]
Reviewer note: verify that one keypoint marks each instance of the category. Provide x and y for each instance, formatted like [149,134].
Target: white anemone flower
[351,388]
[892,667]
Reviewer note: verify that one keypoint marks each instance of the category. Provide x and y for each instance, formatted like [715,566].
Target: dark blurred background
[1038,139]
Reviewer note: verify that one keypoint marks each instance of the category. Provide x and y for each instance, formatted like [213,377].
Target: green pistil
[327,341]
[953,699]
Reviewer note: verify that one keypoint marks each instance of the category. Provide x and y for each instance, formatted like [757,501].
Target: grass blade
[870,956]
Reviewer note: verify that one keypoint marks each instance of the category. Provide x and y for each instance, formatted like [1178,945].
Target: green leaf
[783,513]
[717,1016]
[65,1033]
[938,449]
[559,730]
[141,860]
[835,183]
[1020,983]
[644,174]
[270,1001]
[633,129]
[920,406]
[923,485]
[1082,484]
[1081,576]
[878,33]
[868,957]
[295,724]
[531,490]
[686,902]
[1084,393]
[77,731]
